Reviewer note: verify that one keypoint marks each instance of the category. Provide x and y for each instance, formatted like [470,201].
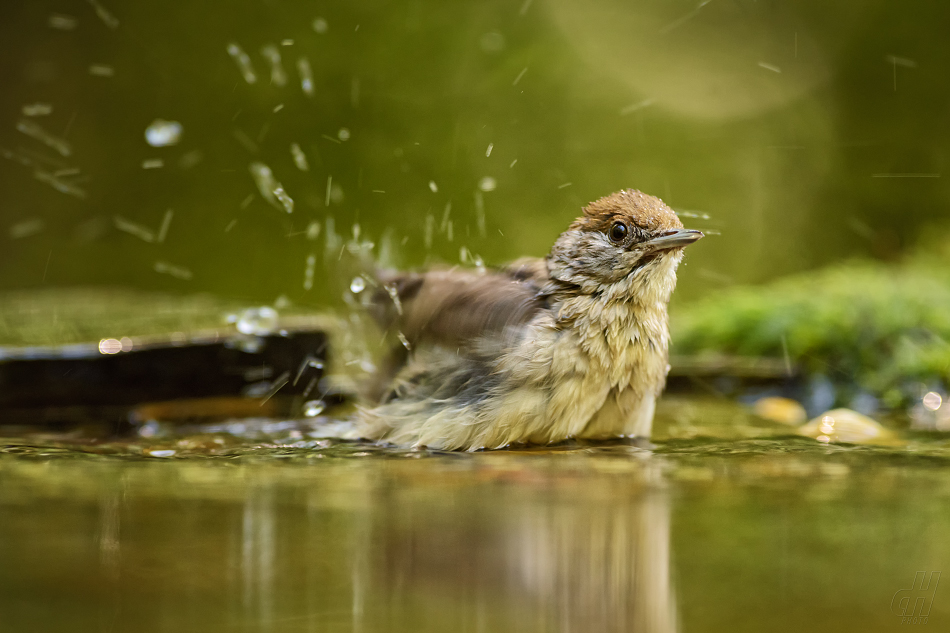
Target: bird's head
[626,246]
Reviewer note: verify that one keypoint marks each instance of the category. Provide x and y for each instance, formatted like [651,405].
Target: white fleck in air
[306,76]
[110,346]
[153,163]
[166,224]
[313,408]
[286,201]
[257,321]
[58,183]
[178,272]
[26,228]
[278,108]
[287,42]
[101,70]
[300,159]
[62,22]
[633,107]
[774,69]
[107,18]
[358,285]
[270,188]
[278,76]
[488,151]
[693,214]
[932,400]
[404,341]
[37,109]
[313,230]
[320,26]
[343,134]
[520,75]
[308,272]
[161,133]
[36,132]
[243,62]
[132,228]
[513,163]
[434,188]
[487,184]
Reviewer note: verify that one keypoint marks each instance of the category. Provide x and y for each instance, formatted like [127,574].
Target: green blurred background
[808,132]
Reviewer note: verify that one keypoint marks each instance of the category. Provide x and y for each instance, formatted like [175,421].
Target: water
[161,133]
[257,321]
[728,524]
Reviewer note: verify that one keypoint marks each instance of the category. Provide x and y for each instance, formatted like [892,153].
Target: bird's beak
[674,238]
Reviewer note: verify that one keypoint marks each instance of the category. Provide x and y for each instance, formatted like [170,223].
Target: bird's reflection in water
[530,559]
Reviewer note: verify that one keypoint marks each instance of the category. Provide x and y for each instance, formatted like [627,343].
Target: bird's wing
[452,306]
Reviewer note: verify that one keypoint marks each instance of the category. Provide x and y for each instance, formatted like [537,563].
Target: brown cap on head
[647,212]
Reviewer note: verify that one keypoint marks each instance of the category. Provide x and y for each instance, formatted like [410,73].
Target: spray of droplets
[269,187]
[243,62]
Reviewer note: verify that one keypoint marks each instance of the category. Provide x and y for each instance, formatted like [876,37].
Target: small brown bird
[574,345]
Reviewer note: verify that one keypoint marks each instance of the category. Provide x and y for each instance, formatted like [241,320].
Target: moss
[875,327]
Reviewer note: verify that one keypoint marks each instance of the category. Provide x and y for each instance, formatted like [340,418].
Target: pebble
[783,410]
[846,426]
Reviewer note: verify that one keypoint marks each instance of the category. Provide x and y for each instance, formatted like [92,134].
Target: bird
[574,345]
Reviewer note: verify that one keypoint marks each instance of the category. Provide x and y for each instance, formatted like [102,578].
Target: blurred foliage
[771,117]
[866,326]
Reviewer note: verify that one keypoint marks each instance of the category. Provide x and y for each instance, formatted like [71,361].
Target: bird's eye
[618,232]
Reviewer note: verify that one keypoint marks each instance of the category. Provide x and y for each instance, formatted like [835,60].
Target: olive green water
[727,524]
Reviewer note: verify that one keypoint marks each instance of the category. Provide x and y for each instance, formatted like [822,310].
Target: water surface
[727,524]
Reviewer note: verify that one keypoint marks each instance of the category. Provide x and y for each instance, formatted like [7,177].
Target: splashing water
[300,159]
[270,188]
[313,408]
[306,76]
[243,62]
[278,76]
[257,321]
[36,132]
[163,133]
[487,184]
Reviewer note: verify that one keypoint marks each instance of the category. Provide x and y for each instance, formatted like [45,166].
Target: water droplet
[258,321]
[358,285]
[163,133]
[933,400]
[300,159]
[320,26]
[168,453]
[487,184]
[343,134]
[313,408]
[110,346]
